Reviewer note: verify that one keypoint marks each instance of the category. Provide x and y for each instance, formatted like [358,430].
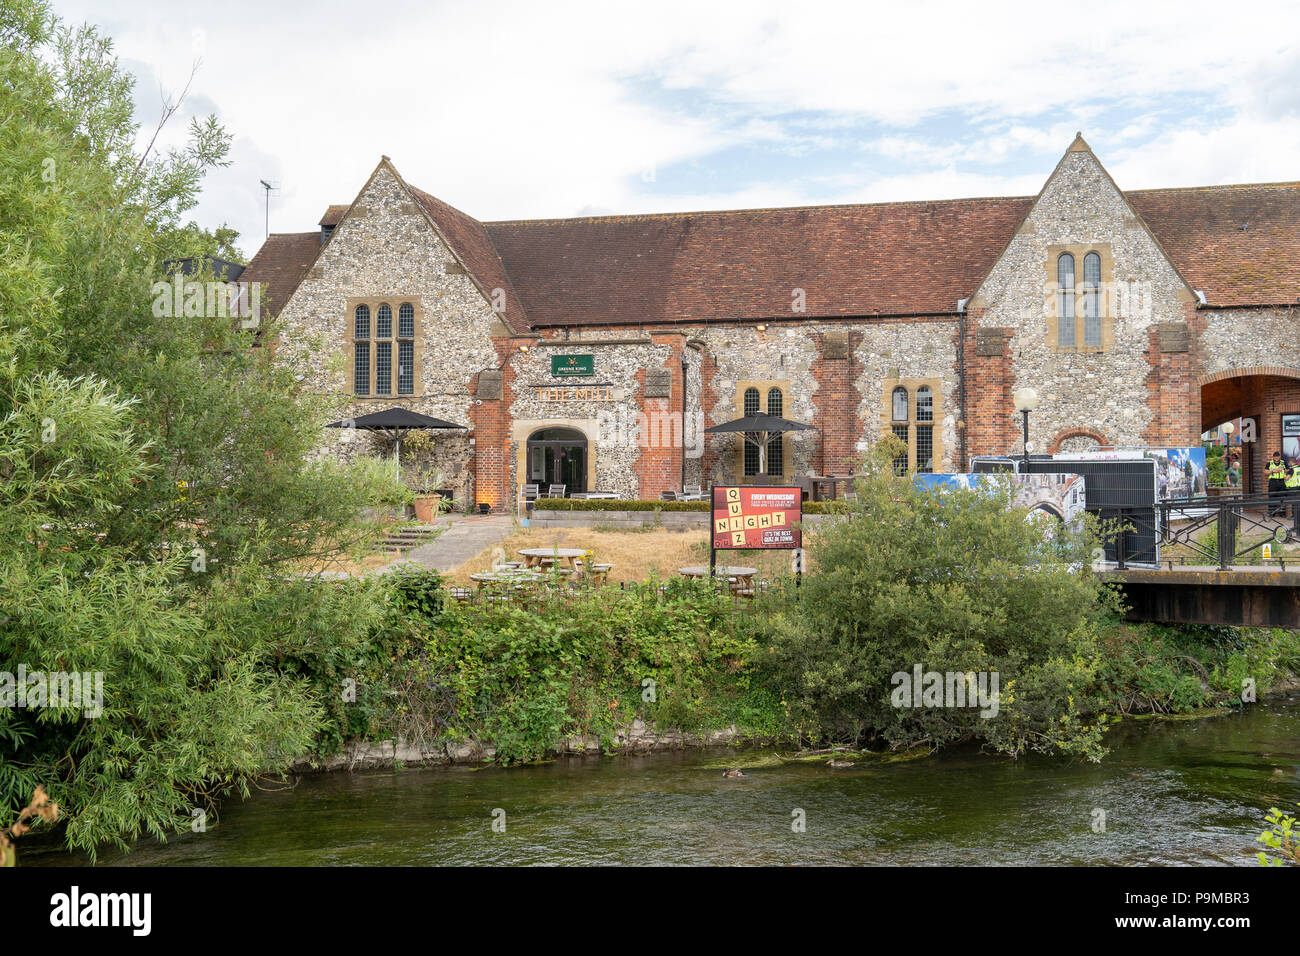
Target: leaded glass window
[900,404]
[924,404]
[900,462]
[924,448]
[1092,299]
[361,368]
[1065,293]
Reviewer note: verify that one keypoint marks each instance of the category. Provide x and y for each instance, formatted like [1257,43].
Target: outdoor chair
[668,496]
[556,491]
[528,494]
[694,490]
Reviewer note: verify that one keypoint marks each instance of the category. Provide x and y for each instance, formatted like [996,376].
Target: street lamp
[1026,400]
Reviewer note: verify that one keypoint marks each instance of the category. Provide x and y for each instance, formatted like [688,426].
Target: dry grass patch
[636,555]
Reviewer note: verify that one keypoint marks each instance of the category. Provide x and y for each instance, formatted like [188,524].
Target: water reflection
[1175,792]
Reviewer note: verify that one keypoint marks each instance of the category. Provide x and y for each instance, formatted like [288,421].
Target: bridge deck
[1254,575]
[1243,595]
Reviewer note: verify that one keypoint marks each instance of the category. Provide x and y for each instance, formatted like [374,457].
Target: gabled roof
[1240,245]
[281,263]
[333,214]
[886,258]
[470,243]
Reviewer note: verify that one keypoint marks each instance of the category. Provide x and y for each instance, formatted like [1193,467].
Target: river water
[1173,792]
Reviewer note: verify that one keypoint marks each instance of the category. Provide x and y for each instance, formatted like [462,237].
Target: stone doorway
[557,456]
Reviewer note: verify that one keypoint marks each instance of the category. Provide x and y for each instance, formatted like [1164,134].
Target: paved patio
[466,536]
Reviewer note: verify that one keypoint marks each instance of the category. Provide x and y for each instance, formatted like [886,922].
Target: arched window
[924,404]
[1065,301]
[751,402]
[775,402]
[1092,299]
[900,404]
[361,350]
[378,346]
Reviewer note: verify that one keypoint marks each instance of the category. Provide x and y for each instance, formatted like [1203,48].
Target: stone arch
[1068,433]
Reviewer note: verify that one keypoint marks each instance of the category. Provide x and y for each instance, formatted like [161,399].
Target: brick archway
[1280,371]
[1068,433]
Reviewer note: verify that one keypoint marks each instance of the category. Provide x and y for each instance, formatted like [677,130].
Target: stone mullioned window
[766,398]
[384,347]
[911,409]
[1079,314]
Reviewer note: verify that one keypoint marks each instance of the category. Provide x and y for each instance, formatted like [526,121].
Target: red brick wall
[836,401]
[1173,388]
[491,462]
[992,426]
[659,462]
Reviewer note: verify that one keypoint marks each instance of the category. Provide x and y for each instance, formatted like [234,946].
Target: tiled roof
[333,214]
[1240,245]
[281,263]
[469,240]
[887,258]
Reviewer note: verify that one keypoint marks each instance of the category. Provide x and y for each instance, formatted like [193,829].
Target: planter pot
[426,508]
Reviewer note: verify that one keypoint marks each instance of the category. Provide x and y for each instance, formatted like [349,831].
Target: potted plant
[428,502]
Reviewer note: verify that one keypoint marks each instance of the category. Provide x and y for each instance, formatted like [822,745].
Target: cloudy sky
[524,110]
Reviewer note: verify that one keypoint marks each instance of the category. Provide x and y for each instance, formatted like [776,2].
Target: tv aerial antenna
[269,187]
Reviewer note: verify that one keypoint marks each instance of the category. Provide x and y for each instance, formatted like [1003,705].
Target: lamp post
[1228,428]
[1026,400]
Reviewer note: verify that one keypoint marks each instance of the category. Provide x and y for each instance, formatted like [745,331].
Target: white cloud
[515,109]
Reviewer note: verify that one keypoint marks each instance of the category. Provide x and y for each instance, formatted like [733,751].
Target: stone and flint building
[594,351]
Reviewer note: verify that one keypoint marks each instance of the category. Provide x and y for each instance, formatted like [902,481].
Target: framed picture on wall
[1291,436]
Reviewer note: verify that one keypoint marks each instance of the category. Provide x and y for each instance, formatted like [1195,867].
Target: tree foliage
[953,581]
[157,487]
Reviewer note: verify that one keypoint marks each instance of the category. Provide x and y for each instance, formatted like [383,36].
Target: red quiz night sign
[757,516]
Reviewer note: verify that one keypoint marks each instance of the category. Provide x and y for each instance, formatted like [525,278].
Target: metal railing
[1228,515]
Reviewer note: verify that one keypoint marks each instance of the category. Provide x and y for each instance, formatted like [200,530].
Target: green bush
[523,678]
[954,581]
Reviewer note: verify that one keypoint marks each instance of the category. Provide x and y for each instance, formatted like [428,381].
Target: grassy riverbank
[520,680]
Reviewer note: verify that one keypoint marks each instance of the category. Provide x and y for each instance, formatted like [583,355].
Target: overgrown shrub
[952,581]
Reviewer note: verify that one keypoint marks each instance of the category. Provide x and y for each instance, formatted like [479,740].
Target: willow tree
[155,474]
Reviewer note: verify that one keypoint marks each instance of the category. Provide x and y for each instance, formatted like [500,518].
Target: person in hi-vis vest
[1293,487]
[1276,472]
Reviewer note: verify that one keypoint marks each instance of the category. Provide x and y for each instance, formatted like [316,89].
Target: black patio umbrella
[758,430]
[394,423]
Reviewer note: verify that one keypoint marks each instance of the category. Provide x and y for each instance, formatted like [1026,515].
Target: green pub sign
[564,365]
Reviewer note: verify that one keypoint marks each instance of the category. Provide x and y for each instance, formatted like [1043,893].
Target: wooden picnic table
[537,556]
[518,576]
[744,576]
